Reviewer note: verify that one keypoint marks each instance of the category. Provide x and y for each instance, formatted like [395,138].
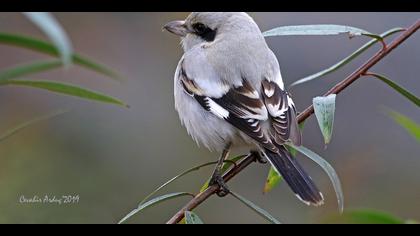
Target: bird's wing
[240,105]
[282,110]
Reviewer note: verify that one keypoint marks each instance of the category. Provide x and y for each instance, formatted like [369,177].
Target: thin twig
[361,71]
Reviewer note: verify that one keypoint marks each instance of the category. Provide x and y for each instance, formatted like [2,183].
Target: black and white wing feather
[246,109]
[282,112]
[241,106]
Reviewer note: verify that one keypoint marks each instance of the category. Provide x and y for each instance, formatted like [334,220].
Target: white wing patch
[216,108]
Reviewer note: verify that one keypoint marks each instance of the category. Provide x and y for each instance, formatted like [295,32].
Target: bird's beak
[177,27]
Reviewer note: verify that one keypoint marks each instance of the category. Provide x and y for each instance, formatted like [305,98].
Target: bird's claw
[259,157]
[217,179]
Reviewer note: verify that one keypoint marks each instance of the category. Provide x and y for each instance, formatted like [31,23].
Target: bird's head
[206,27]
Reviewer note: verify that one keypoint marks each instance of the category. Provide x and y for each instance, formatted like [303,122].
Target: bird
[229,92]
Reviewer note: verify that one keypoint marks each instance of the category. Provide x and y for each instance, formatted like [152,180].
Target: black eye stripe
[204,32]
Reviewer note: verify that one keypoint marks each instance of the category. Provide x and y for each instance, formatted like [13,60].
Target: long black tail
[292,172]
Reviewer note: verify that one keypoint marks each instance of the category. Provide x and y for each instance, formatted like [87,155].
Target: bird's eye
[204,32]
[199,28]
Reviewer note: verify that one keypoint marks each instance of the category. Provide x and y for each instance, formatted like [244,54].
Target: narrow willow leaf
[314,30]
[50,26]
[28,69]
[153,202]
[225,167]
[324,108]
[65,89]
[273,178]
[348,59]
[398,88]
[364,216]
[256,208]
[192,218]
[328,169]
[25,124]
[47,48]
[412,127]
[195,168]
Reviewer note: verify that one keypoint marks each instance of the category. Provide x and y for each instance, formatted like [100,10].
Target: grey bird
[229,92]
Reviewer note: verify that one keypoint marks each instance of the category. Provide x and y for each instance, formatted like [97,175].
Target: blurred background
[113,157]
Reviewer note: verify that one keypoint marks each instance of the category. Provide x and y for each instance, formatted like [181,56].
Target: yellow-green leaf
[409,125]
[272,181]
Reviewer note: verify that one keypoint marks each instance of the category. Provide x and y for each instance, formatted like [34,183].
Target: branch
[360,72]
[365,67]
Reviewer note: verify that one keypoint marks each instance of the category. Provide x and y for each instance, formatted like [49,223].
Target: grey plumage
[228,89]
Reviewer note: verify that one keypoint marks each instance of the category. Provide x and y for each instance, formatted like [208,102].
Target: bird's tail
[292,172]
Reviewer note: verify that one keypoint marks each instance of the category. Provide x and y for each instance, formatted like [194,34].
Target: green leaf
[324,108]
[16,129]
[225,167]
[256,208]
[273,178]
[153,202]
[65,89]
[346,60]
[364,216]
[328,169]
[412,127]
[192,218]
[195,168]
[314,30]
[50,26]
[28,69]
[398,88]
[47,48]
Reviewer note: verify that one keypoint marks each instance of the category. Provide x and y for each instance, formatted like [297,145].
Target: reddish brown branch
[361,71]
[365,67]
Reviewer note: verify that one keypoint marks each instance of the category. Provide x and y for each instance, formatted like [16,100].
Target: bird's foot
[218,180]
[259,157]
